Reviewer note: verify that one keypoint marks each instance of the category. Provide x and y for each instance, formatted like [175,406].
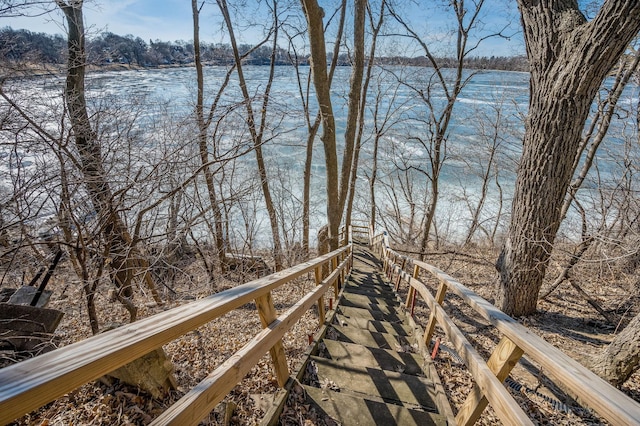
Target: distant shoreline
[27,71]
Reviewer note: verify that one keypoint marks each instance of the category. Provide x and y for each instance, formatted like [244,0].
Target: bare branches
[15,8]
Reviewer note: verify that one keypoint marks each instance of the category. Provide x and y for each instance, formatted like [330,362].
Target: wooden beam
[504,357]
[431,325]
[338,285]
[321,310]
[503,404]
[29,384]
[580,382]
[268,314]
[412,291]
[199,401]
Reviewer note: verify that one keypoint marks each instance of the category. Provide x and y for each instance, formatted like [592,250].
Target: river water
[156,107]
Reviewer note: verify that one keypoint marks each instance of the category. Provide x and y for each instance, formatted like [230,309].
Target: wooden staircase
[368,366]
[366,369]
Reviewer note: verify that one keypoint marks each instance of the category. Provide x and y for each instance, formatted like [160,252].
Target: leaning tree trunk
[257,130]
[354,111]
[622,357]
[314,15]
[112,225]
[203,127]
[361,114]
[569,59]
[313,131]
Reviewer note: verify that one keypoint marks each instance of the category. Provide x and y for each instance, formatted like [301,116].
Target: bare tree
[355,111]
[203,126]
[314,15]
[113,227]
[493,130]
[437,118]
[376,26]
[257,125]
[385,117]
[304,86]
[562,46]
[592,138]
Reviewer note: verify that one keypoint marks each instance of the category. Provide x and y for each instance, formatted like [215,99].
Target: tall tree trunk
[599,128]
[306,187]
[438,120]
[363,103]
[112,226]
[203,126]
[313,131]
[349,158]
[314,15]
[372,180]
[569,58]
[257,131]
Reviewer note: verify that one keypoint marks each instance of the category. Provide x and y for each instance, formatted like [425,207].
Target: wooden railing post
[388,259]
[399,277]
[350,258]
[268,314]
[502,360]
[412,290]
[337,284]
[321,311]
[344,270]
[431,325]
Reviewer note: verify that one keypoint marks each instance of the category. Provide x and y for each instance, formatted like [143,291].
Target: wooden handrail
[589,389]
[29,384]
[198,402]
[501,401]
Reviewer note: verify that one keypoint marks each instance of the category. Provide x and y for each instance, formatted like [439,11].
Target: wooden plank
[574,378]
[431,325]
[400,272]
[268,314]
[28,385]
[200,400]
[504,357]
[27,318]
[336,284]
[412,291]
[440,397]
[321,310]
[501,401]
[344,408]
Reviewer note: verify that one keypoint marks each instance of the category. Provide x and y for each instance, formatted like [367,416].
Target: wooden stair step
[373,339]
[368,280]
[354,312]
[382,286]
[367,301]
[348,300]
[397,328]
[370,291]
[392,387]
[364,356]
[349,410]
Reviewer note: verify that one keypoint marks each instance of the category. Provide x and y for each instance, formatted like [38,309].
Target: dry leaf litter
[565,320]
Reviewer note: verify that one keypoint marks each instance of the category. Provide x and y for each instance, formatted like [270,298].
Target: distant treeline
[108,48]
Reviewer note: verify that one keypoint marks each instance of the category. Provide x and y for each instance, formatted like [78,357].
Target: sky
[171,20]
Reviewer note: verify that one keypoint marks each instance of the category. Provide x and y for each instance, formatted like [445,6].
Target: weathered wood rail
[30,384]
[579,382]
